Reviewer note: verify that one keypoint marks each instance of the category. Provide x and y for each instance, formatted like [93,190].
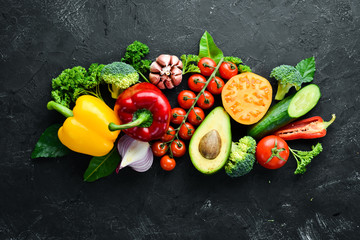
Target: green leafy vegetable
[100,167]
[238,62]
[303,158]
[289,76]
[188,63]
[49,144]
[72,83]
[119,76]
[134,55]
[208,48]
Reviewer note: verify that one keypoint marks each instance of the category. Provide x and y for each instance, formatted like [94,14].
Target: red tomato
[167,163]
[169,135]
[159,148]
[215,87]
[207,66]
[207,101]
[186,131]
[178,148]
[177,115]
[196,116]
[227,70]
[272,152]
[186,98]
[196,82]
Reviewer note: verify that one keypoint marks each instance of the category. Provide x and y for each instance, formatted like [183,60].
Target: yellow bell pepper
[86,128]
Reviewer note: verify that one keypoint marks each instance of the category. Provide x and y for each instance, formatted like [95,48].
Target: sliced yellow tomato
[247,97]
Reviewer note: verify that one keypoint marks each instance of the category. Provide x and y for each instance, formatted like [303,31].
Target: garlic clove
[180,64]
[163,60]
[175,71]
[169,84]
[161,85]
[174,60]
[176,79]
[154,78]
[155,67]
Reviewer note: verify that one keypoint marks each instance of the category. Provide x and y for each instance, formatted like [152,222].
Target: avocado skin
[219,120]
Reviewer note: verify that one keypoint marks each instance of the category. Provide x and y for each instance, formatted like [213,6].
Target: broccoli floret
[303,158]
[72,83]
[242,157]
[289,76]
[119,76]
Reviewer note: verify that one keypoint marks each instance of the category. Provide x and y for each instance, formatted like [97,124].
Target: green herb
[307,69]
[208,48]
[49,144]
[100,167]
[134,55]
[188,63]
[238,62]
[303,158]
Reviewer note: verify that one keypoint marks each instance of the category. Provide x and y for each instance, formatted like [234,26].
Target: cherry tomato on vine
[186,131]
[207,66]
[178,148]
[159,148]
[177,114]
[215,87]
[207,101]
[227,70]
[196,116]
[169,135]
[196,82]
[186,99]
[272,152]
[167,163]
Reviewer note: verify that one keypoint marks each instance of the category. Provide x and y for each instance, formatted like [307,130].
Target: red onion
[135,154]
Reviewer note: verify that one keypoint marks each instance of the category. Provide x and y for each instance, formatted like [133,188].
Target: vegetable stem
[60,108]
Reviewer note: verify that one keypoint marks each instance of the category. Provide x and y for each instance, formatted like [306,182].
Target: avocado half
[210,144]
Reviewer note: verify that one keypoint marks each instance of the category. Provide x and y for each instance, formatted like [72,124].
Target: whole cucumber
[275,118]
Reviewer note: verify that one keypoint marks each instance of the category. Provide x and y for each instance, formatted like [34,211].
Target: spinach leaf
[307,69]
[100,167]
[208,48]
[49,144]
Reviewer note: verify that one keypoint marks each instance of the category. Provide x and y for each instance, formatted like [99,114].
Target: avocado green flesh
[219,120]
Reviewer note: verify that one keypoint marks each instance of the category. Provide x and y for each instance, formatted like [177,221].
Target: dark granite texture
[47,198]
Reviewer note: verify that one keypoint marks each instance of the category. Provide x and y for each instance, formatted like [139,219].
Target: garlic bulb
[166,71]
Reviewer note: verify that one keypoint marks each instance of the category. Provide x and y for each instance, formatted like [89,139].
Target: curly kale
[242,157]
[289,76]
[303,158]
[134,55]
[73,82]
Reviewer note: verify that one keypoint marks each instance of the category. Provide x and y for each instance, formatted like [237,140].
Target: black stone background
[47,198]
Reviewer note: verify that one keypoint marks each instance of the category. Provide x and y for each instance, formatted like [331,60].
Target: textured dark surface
[47,198]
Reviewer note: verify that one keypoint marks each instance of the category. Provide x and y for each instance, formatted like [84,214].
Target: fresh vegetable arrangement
[142,124]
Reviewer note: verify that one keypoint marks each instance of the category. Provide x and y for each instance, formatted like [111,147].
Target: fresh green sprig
[190,63]
[238,62]
[303,158]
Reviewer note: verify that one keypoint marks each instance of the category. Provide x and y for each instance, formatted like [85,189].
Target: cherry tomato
[177,115]
[196,82]
[196,116]
[186,99]
[186,131]
[215,87]
[227,70]
[167,163]
[178,148]
[272,152]
[207,66]
[207,101]
[159,148]
[169,135]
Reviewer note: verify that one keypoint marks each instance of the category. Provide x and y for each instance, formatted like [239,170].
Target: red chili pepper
[309,128]
[144,112]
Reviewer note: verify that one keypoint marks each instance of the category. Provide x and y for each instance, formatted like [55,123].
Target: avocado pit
[210,145]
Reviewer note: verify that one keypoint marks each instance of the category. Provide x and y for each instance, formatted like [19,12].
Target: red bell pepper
[144,112]
[309,128]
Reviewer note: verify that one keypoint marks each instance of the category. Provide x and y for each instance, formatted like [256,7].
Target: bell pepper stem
[326,124]
[60,108]
[142,117]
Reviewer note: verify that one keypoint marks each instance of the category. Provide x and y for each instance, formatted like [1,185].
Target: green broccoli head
[120,76]
[287,77]
[242,157]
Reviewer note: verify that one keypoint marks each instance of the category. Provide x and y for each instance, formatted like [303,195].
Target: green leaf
[100,167]
[307,69]
[49,144]
[208,48]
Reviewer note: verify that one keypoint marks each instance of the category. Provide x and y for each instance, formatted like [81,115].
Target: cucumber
[275,118]
[304,100]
